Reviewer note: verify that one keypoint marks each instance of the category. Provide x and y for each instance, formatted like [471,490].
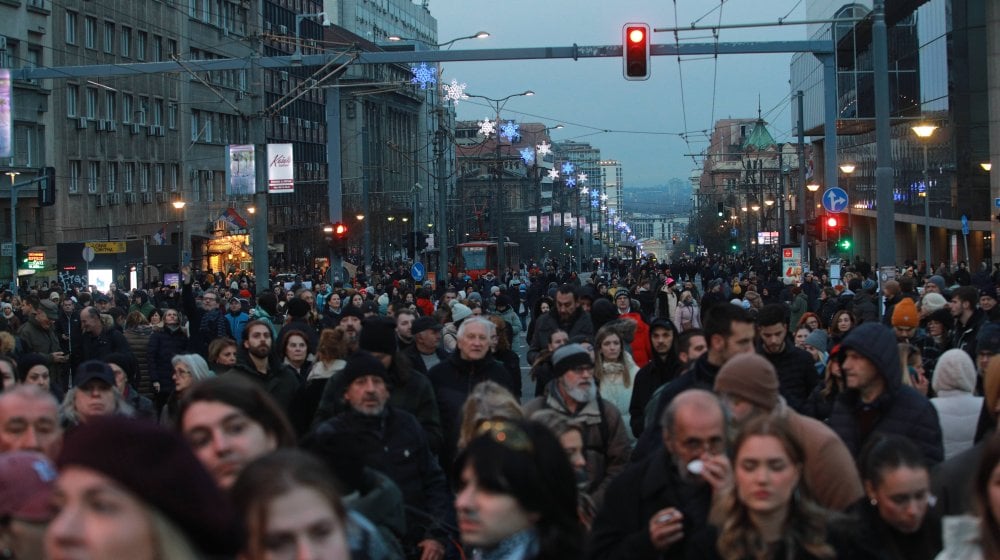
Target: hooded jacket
[899,410]
[658,372]
[577,324]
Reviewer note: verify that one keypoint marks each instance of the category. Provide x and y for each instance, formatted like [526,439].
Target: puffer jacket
[899,410]
[958,409]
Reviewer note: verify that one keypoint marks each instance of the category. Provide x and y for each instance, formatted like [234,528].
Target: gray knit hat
[818,340]
[569,356]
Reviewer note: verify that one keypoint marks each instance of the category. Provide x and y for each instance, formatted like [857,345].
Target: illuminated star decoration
[583,190]
[553,173]
[528,155]
[567,169]
[582,177]
[509,130]
[423,75]
[570,182]
[487,127]
[454,91]
[604,196]
[544,149]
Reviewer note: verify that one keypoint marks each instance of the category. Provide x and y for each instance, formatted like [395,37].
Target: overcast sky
[589,96]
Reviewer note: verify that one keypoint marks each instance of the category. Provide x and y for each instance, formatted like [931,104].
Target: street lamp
[501,242]
[924,132]
[179,205]
[813,187]
[986,165]
[477,35]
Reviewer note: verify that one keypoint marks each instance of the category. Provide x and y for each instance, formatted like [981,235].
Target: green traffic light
[846,243]
[735,247]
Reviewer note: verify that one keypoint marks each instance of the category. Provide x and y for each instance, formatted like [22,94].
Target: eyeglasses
[506,434]
[714,446]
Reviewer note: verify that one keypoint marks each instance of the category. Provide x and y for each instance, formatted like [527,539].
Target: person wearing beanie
[350,318]
[27,479]
[988,303]
[931,302]
[817,344]
[876,400]
[408,390]
[958,408]
[934,337]
[505,309]
[573,394]
[391,441]
[748,387]
[299,319]
[905,319]
[935,284]
[987,344]
[449,336]
[164,498]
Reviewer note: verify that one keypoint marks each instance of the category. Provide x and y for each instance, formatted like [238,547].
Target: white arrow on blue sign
[835,199]
[417,271]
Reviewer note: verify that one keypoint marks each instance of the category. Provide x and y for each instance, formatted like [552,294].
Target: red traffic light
[635,51]
[832,222]
[339,230]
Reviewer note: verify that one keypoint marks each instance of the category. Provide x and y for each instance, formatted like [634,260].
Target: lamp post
[924,132]
[477,35]
[498,175]
[179,205]
[13,231]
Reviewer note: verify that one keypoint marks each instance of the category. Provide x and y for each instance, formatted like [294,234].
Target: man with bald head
[641,516]
[29,420]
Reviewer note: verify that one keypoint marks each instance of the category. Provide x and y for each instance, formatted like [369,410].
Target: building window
[112,182]
[171,47]
[207,135]
[158,112]
[175,177]
[91,103]
[90,32]
[157,48]
[72,99]
[140,45]
[70,27]
[128,177]
[158,177]
[126,108]
[140,116]
[144,177]
[109,37]
[195,130]
[172,116]
[126,45]
[75,168]
[110,105]
[93,176]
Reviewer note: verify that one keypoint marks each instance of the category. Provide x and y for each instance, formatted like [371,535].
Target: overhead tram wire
[680,74]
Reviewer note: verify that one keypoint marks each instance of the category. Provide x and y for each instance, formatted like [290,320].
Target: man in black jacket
[567,316]
[969,318]
[97,340]
[729,331]
[392,442]
[651,508]
[876,401]
[426,351]
[796,370]
[661,369]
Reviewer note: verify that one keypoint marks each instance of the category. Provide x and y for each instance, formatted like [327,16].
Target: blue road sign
[417,271]
[965,225]
[835,200]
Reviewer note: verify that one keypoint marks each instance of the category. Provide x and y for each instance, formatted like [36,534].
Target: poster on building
[280,169]
[532,224]
[791,264]
[6,114]
[557,219]
[241,174]
[583,222]
[567,219]
[545,224]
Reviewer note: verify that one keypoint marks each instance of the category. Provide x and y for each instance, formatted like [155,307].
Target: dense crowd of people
[699,409]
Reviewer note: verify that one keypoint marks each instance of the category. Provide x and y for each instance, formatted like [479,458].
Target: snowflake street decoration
[509,130]
[594,204]
[567,169]
[487,127]
[604,208]
[544,149]
[528,155]
[583,190]
[454,91]
[604,196]
[611,211]
[582,177]
[423,75]
[553,174]
[570,182]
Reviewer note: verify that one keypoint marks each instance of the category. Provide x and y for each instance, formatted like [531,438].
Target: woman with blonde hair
[487,401]
[614,370]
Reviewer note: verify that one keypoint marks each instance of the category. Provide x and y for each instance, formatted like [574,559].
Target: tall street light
[501,242]
[179,205]
[924,132]
[477,35]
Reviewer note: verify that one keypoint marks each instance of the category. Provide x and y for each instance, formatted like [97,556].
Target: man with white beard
[574,394]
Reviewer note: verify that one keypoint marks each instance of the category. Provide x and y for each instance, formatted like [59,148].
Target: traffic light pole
[14,188]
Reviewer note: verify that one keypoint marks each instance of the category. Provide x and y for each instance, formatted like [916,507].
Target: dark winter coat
[963,337]
[162,347]
[796,373]
[899,410]
[621,528]
[394,444]
[453,380]
[864,308]
[579,323]
[280,383]
[110,341]
[659,371]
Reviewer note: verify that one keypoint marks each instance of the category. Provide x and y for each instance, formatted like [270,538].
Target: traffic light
[722,209]
[47,187]
[340,231]
[635,51]
[336,236]
[845,241]
[421,240]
